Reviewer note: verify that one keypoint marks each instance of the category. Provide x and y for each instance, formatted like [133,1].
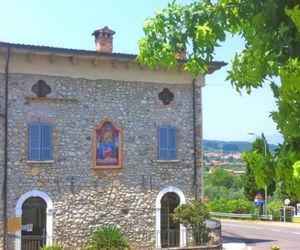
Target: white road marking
[234,225]
[275,230]
[295,232]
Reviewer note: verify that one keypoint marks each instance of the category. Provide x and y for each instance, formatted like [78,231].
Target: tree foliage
[194,215]
[238,206]
[271,31]
[260,169]
[250,186]
[221,184]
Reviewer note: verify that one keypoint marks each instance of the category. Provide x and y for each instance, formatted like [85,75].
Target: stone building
[91,138]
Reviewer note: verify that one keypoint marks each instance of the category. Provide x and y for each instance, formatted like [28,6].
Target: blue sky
[69,24]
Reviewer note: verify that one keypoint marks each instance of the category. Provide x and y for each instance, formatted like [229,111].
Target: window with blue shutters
[167,143]
[40,142]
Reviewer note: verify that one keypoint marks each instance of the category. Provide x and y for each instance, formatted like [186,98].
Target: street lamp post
[266,187]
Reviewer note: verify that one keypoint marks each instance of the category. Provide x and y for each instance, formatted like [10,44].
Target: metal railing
[170,238]
[18,242]
[242,216]
[209,234]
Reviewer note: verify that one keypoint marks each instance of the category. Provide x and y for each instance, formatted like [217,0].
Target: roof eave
[212,67]
[68,52]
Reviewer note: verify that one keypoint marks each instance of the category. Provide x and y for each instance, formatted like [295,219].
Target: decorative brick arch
[49,214]
[181,196]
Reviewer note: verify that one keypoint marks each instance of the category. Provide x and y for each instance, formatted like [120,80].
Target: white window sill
[40,162]
[167,161]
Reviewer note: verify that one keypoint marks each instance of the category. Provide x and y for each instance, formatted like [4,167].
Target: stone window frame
[118,166]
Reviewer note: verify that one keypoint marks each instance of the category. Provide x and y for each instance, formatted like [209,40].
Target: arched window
[107,146]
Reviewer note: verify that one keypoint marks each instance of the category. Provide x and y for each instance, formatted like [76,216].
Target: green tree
[260,169]
[271,31]
[221,184]
[250,187]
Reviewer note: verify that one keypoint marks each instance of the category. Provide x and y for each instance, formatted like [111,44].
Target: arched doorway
[33,223]
[179,196]
[42,201]
[170,230]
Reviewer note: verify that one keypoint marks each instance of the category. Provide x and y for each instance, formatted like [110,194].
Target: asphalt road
[262,235]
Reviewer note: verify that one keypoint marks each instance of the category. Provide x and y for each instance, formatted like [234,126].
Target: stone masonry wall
[2,103]
[199,136]
[83,198]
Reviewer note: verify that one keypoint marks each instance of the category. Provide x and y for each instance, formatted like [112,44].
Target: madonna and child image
[107,145]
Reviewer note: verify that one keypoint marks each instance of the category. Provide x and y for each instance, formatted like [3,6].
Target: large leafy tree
[271,31]
[260,169]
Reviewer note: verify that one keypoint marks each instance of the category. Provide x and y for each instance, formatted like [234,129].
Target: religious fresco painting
[107,146]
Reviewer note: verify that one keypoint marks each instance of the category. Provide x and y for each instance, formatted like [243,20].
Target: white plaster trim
[49,213]
[40,162]
[169,189]
[167,161]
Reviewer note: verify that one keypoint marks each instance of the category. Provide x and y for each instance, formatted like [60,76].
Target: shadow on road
[249,241]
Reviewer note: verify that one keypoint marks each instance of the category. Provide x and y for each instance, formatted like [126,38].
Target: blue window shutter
[163,143]
[46,142]
[34,142]
[172,143]
[167,143]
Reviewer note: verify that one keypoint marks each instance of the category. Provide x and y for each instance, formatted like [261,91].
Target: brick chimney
[181,54]
[104,39]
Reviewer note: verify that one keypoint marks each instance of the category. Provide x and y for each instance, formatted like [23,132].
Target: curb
[235,246]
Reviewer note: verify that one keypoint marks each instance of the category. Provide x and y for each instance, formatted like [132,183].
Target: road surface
[260,235]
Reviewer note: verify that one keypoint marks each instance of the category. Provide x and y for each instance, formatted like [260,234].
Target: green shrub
[274,208]
[274,247]
[194,215]
[108,238]
[219,205]
[237,206]
[53,247]
[241,206]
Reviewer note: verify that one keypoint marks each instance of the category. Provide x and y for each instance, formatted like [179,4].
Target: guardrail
[242,216]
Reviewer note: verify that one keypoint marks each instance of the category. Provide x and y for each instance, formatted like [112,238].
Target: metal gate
[32,242]
[33,224]
[170,230]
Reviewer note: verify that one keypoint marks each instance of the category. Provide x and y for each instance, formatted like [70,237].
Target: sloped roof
[215,65]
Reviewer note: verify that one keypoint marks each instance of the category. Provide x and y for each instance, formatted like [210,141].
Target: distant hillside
[229,146]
